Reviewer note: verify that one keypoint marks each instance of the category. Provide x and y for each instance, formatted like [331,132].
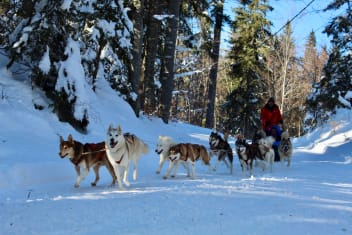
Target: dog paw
[76,185]
[93,184]
[165,177]
[157,172]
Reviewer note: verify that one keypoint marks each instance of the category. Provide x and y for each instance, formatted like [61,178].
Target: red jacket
[270,116]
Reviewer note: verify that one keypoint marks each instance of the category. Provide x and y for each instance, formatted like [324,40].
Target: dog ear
[61,139]
[69,138]
[119,129]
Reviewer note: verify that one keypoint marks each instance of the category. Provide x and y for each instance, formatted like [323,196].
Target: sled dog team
[120,149]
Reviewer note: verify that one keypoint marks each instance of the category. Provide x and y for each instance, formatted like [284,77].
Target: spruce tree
[250,32]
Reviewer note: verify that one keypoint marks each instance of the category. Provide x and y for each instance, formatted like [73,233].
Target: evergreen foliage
[99,32]
[250,32]
[335,88]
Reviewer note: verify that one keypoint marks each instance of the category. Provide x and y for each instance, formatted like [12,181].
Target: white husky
[121,149]
[162,148]
[266,149]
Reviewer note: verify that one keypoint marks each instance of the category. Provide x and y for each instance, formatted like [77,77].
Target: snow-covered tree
[67,46]
[335,88]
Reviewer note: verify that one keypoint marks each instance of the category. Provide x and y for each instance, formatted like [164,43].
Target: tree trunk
[137,53]
[209,123]
[167,65]
[148,101]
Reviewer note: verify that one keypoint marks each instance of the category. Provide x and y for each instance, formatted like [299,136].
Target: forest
[164,58]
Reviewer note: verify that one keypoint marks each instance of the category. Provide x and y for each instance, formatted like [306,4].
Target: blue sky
[312,19]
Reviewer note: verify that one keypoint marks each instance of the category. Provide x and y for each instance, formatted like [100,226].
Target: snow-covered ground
[313,196]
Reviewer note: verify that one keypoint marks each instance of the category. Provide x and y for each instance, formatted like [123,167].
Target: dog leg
[226,163]
[97,177]
[251,167]
[135,169]
[216,165]
[209,167]
[176,165]
[171,166]
[81,176]
[118,175]
[161,163]
[125,177]
[193,165]
[282,160]
[78,171]
[186,165]
[111,171]
[272,159]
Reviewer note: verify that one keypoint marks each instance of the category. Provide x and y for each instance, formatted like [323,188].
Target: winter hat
[271,99]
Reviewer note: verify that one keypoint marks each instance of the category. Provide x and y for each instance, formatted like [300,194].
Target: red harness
[96,148]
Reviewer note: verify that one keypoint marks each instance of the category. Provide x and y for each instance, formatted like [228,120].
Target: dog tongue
[113,144]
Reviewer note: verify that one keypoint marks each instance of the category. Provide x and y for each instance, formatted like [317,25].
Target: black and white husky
[122,149]
[222,149]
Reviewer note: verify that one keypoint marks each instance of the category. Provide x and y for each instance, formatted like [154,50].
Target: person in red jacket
[270,116]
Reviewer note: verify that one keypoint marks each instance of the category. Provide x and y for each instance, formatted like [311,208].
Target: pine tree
[250,31]
[214,56]
[310,59]
[154,9]
[167,65]
[335,88]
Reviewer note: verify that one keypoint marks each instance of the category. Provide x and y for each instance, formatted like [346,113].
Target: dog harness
[95,148]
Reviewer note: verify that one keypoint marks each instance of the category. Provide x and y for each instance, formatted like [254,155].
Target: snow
[44,63]
[66,4]
[72,79]
[313,196]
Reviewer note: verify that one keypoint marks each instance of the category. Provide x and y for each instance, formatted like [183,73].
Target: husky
[162,148]
[222,149]
[86,156]
[267,152]
[188,153]
[285,148]
[247,153]
[122,149]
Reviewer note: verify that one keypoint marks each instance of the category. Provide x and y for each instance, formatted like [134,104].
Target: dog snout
[62,155]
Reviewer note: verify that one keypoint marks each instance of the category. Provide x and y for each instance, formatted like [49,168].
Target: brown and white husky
[187,153]
[85,156]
